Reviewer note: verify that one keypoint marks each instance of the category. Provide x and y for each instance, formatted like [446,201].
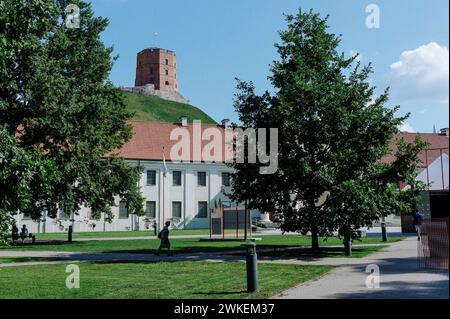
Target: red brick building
[158,67]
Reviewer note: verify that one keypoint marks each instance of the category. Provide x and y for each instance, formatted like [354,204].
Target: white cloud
[406,127]
[422,73]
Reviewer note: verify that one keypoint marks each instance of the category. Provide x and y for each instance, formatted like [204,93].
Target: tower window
[166,61]
[167,72]
[167,82]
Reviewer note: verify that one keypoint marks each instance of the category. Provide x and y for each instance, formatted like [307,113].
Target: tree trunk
[383,229]
[348,243]
[314,239]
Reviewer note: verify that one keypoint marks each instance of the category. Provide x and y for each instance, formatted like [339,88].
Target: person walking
[164,237]
[417,221]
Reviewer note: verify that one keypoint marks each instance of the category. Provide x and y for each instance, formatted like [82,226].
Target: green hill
[153,108]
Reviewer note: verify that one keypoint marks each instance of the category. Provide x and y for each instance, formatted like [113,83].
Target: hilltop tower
[156,75]
[158,67]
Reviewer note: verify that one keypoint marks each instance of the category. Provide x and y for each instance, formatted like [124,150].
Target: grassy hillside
[153,108]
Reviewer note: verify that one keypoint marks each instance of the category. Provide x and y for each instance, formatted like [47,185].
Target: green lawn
[118,234]
[199,280]
[153,108]
[179,245]
[357,252]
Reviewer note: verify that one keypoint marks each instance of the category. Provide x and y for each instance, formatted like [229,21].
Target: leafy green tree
[333,133]
[357,200]
[55,94]
[21,171]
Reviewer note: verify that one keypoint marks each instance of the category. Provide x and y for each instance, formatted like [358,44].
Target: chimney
[444,131]
[225,123]
[183,121]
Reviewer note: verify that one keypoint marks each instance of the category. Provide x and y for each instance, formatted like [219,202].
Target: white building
[184,196]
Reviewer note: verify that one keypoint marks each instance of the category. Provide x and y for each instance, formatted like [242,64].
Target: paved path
[230,255]
[400,278]
[373,232]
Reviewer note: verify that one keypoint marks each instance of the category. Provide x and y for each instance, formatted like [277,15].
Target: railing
[433,244]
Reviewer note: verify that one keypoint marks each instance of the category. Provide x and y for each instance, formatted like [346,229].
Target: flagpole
[164,178]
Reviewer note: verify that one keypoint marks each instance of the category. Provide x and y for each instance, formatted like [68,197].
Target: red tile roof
[149,138]
[437,144]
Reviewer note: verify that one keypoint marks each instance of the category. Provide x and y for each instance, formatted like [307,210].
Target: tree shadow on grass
[303,252]
[180,250]
[27,244]
[235,292]
[8,260]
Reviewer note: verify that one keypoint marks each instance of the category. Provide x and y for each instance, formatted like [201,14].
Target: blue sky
[218,40]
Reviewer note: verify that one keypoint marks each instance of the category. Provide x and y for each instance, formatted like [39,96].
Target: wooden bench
[16,236]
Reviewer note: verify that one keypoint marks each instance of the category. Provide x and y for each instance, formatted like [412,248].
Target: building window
[166,61]
[167,72]
[167,82]
[26,216]
[151,71]
[176,178]
[123,209]
[176,209]
[150,209]
[202,210]
[201,178]
[226,180]
[151,177]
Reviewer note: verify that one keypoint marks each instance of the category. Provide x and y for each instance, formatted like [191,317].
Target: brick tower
[158,67]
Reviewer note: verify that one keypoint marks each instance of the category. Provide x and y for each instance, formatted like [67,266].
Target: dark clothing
[165,243]
[417,219]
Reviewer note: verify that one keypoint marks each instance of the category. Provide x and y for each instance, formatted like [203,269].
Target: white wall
[163,193]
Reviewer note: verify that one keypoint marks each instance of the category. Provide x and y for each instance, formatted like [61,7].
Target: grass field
[153,108]
[118,234]
[179,245]
[357,252]
[136,280]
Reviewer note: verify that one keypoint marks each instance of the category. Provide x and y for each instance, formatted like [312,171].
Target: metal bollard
[69,235]
[252,267]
